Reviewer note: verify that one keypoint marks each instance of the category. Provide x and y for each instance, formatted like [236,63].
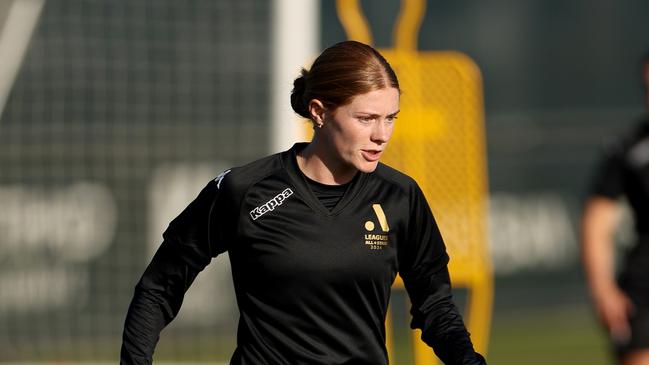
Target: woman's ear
[317,111]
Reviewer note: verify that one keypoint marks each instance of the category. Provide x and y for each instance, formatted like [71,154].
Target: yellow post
[440,142]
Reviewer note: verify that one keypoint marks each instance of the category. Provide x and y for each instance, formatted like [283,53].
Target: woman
[623,304]
[315,235]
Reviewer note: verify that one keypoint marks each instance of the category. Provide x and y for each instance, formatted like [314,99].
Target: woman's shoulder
[239,178]
[393,176]
[620,144]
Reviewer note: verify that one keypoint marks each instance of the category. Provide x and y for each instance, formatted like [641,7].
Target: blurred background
[114,113]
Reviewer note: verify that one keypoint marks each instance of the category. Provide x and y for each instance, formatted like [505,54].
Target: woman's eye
[366,119]
[390,120]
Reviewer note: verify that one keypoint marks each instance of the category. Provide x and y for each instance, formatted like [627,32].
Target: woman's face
[358,132]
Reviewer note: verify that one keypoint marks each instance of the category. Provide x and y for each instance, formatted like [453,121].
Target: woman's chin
[367,167]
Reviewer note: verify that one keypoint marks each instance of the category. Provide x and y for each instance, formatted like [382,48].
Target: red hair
[341,72]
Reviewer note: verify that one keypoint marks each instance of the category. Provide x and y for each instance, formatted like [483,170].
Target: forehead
[383,101]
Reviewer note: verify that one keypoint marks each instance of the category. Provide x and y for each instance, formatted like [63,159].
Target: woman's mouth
[371,155]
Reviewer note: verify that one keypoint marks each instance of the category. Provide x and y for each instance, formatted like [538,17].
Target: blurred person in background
[621,303]
[316,236]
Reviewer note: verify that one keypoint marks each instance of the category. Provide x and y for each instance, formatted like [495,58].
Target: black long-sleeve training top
[624,172]
[312,284]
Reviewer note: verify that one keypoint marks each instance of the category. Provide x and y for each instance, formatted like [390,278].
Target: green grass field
[535,335]
[565,336]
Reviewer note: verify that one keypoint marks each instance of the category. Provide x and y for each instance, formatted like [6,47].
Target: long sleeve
[608,180]
[435,313]
[156,302]
[191,240]
[423,267]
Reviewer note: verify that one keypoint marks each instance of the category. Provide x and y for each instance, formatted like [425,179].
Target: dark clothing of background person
[624,173]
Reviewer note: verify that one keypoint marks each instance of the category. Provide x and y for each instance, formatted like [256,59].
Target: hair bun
[297,95]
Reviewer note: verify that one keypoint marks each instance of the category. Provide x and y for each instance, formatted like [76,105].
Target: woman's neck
[317,164]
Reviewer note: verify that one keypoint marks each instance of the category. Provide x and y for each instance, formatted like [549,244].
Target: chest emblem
[377,240]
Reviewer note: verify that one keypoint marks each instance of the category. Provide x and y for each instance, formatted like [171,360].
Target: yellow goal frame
[440,142]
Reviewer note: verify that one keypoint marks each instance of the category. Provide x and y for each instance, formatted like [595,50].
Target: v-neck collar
[289,160]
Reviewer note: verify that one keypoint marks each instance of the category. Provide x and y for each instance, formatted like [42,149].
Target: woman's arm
[442,326]
[199,233]
[423,266]
[599,222]
[156,302]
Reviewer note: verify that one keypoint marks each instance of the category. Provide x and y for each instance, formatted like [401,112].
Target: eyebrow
[374,115]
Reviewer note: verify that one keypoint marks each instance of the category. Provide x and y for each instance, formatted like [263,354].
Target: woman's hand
[614,308]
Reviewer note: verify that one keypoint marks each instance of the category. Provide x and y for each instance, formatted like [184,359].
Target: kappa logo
[220,177]
[377,241]
[271,204]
